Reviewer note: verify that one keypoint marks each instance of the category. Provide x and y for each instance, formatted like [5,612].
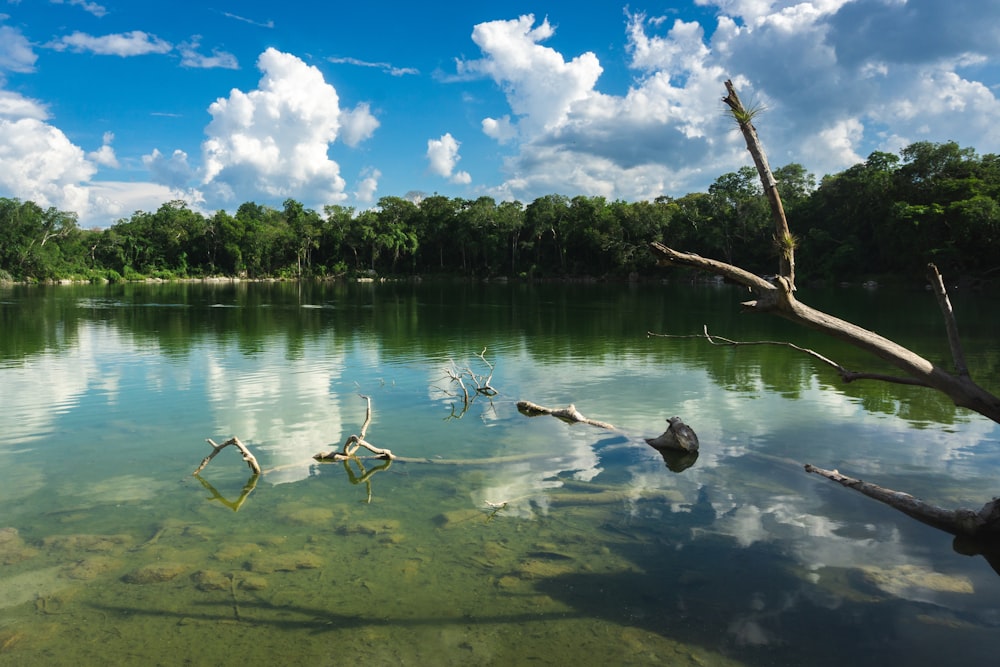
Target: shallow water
[496,538]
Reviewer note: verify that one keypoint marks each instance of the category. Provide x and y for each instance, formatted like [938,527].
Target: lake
[495,538]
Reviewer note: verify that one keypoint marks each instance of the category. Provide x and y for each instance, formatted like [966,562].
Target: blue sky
[107,107]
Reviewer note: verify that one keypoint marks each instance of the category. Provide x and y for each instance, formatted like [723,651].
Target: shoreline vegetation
[880,221]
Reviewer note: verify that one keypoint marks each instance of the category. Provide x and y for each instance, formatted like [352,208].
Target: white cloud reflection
[291,404]
[285,407]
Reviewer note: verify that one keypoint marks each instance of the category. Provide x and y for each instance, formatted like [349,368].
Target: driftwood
[355,442]
[958,522]
[235,442]
[480,385]
[778,298]
[568,414]
[975,531]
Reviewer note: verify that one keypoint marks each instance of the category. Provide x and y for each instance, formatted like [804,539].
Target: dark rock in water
[678,437]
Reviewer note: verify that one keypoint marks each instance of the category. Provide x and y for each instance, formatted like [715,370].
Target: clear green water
[111,553]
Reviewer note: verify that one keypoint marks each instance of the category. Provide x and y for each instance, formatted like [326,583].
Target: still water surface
[497,539]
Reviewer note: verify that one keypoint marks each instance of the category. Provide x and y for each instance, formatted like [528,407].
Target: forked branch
[355,442]
[250,459]
[480,385]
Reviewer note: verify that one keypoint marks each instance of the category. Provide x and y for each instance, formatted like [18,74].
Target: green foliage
[889,215]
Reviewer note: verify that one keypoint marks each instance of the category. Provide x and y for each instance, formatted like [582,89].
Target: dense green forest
[887,216]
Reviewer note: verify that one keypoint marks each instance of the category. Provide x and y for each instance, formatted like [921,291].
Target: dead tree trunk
[783,240]
[982,526]
[778,299]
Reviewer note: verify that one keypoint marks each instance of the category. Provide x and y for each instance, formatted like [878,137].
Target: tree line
[887,216]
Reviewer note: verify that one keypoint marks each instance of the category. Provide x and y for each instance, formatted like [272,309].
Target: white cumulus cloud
[105,155]
[541,86]
[443,156]
[357,124]
[39,163]
[173,171]
[837,80]
[367,185]
[274,141]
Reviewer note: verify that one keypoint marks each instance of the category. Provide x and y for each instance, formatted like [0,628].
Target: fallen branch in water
[480,385]
[960,522]
[354,442]
[568,414]
[235,442]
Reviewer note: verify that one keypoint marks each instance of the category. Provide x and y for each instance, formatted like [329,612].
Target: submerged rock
[370,528]
[252,583]
[154,574]
[13,549]
[457,518]
[89,543]
[286,562]
[211,580]
[91,567]
[901,579]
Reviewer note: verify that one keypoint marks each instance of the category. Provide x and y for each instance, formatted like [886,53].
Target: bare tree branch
[354,442]
[481,385]
[671,257]
[964,522]
[778,299]
[234,441]
[568,414]
[845,374]
[783,238]
[951,326]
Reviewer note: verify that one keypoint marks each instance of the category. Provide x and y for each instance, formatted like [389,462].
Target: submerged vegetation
[887,216]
